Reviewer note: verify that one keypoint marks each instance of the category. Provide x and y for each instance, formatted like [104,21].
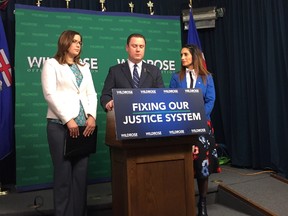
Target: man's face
[136,49]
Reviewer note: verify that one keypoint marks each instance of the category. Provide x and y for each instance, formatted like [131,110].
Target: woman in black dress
[193,74]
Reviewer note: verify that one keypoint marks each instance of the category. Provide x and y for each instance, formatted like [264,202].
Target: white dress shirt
[131,66]
[188,78]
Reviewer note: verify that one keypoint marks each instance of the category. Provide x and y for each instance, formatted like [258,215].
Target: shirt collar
[131,64]
[192,71]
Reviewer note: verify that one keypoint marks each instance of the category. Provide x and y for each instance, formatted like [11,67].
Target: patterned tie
[135,77]
[192,80]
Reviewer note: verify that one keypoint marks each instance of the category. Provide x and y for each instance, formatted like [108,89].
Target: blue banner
[148,113]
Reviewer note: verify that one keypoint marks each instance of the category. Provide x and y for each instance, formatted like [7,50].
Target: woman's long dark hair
[197,62]
[64,42]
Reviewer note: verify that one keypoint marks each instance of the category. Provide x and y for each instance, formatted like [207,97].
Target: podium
[151,177]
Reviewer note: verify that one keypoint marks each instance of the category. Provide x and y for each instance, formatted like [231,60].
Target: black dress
[205,157]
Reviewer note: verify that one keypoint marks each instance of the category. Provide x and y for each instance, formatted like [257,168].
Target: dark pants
[70,176]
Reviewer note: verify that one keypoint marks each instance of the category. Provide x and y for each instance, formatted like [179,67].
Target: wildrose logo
[37,62]
[161,64]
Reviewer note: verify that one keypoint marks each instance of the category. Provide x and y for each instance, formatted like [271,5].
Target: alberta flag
[6,108]
[193,35]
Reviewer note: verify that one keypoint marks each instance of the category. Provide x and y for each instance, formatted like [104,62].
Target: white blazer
[62,93]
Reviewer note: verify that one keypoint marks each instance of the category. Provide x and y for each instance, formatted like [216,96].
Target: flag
[6,108]
[3,4]
[193,37]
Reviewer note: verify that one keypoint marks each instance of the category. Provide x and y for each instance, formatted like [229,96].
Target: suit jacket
[119,76]
[208,90]
[62,93]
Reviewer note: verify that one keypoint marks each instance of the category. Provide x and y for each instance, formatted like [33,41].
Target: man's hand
[109,106]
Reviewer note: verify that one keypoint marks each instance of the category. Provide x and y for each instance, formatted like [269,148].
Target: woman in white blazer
[72,102]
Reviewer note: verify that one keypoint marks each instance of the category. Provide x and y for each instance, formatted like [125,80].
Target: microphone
[153,79]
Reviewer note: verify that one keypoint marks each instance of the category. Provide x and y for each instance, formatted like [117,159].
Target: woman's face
[186,58]
[75,46]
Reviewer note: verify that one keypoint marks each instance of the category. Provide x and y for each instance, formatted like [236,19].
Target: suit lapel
[181,83]
[72,76]
[144,74]
[127,73]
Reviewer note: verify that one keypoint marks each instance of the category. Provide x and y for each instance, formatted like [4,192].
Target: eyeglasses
[77,42]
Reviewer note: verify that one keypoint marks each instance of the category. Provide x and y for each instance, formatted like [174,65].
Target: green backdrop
[104,39]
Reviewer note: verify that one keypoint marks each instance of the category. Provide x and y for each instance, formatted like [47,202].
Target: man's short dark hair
[135,35]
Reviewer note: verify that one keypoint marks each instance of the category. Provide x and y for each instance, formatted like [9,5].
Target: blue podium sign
[158,112]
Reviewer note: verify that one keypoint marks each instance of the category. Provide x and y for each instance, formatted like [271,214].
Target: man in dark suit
[123,75]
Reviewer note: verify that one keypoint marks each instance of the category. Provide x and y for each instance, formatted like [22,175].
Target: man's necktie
[135,77]
[192,80]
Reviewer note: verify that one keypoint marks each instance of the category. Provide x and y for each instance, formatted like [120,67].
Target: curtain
[247,52]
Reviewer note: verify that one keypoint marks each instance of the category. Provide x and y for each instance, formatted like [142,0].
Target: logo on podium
[158,112]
